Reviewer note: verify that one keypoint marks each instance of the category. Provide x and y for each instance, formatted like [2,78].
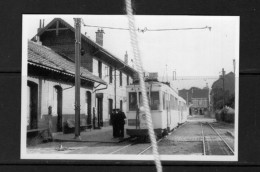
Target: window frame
[110,74]
[120,78]
[99,69]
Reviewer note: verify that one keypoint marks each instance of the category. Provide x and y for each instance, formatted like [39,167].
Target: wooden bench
[38,135]
[69,125]
[36,130]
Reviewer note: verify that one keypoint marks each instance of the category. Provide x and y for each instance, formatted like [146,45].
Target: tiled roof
[229,83]
[47,58]
[200,93]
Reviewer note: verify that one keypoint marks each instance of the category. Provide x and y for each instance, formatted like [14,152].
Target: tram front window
[132,101]
[154,102]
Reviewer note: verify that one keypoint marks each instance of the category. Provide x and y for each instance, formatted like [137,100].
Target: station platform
[103,135]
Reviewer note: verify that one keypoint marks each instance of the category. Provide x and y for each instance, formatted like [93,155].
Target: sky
[198,53]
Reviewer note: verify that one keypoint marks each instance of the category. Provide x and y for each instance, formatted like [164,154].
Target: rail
[203,140]
[222,139]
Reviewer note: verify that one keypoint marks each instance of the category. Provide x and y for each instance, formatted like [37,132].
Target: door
[58,91]
[89,118]
[168,115]
[110,107]
[32,104]
[100,111]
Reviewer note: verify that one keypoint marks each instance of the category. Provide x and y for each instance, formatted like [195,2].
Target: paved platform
[104,135]
[200,118]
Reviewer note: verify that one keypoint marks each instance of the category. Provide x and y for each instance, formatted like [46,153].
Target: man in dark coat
[114,122]
[121,123]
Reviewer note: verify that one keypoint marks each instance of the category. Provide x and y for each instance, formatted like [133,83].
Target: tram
[168,110]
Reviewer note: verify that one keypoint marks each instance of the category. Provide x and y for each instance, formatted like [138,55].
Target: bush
[219,115]
[229,115]
[226,115]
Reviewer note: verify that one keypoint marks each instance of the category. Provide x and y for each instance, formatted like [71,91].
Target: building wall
[109,93]
[64,42]
[46,98]
[200,103]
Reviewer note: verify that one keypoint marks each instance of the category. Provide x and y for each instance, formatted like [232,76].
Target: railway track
[137,142]
[213,142]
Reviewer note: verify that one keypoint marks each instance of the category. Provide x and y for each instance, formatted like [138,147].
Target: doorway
[32,104]
[58,91]
[110,107]
[99,119]
[89,118]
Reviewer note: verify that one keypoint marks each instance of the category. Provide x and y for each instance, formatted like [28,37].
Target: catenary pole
[115,86]
[77,76]
[223,77]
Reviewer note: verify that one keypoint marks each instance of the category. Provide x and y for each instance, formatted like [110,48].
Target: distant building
[60,36]
[198,99]
[218,95]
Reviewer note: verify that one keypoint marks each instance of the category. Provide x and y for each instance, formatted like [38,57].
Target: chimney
[99,36]
[40,26]
[126,58]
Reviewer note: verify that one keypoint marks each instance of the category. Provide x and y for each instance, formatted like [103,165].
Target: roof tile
[46,57]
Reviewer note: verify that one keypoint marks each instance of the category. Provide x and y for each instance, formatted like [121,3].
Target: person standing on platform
[50,123]
[121,123]
[114,122]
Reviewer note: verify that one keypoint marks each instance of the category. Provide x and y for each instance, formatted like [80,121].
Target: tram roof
[155,83]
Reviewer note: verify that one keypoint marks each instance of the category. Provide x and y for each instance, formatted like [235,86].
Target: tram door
[167,102]
[179,111]
[168,118]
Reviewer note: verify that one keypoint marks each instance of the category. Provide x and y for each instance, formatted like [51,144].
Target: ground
[187,139]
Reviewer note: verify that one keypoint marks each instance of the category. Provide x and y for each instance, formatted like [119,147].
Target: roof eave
[66,73]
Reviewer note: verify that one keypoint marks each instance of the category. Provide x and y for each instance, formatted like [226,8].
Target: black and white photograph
[107,87]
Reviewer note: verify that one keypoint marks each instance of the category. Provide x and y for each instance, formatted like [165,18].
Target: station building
[50,85]
[104,85]
[198,99]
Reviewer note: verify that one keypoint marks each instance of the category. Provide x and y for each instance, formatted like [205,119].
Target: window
[172,102]
[164,107]
[127,80]
[176,104]
[110,74]
[141,99]
[155,103]
[132,101]
[110,105]
[121,81]
[121,105]
[100,69]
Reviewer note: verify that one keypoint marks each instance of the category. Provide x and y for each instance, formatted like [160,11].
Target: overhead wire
[145,29]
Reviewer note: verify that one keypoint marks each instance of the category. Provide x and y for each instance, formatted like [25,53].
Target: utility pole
[187,98]
[234,65]
[77,76]
[223,77]
[166,74]
[174,75]
[115,87]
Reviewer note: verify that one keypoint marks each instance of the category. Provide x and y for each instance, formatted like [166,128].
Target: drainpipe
[115,87]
